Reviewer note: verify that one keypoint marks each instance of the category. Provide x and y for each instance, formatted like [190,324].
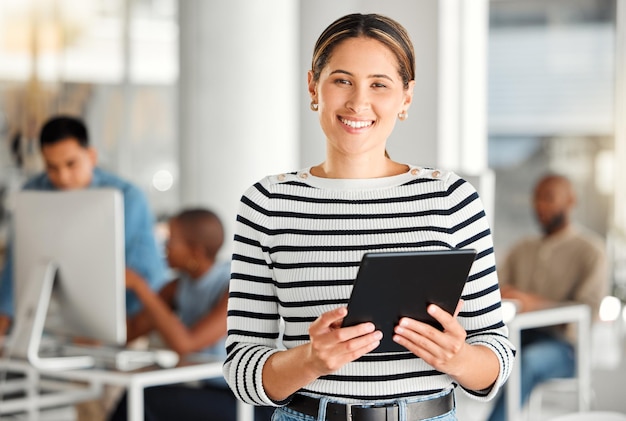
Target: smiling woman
[360,94]
[361,88]
[300,238]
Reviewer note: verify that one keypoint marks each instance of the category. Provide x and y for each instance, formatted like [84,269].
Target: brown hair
[380,28]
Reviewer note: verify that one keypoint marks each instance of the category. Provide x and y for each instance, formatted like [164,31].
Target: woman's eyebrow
[345,72]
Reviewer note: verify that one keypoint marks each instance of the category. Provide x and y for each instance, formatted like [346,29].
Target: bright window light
[509,310]
[610,308]
[162,180]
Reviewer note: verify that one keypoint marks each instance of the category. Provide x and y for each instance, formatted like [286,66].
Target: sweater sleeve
[253,320]
[481,315]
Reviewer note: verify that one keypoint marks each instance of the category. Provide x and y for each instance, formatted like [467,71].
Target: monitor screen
[69,258]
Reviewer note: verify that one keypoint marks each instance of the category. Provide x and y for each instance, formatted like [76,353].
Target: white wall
[238,111]
[244,106]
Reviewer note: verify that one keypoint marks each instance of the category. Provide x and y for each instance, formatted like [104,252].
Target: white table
[39,394]
[135,382]
[580,314]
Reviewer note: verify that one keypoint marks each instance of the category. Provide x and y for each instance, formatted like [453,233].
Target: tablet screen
[398,284]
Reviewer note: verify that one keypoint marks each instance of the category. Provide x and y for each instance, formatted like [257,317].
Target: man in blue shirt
[71,164]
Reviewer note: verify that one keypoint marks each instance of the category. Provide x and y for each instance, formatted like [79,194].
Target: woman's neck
[354,168]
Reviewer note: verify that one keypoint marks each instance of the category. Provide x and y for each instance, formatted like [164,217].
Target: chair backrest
[591,416]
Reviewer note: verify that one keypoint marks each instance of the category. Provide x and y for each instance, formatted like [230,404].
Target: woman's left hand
[443,350]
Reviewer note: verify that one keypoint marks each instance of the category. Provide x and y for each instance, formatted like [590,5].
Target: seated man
[71,164]
[189,315]
[565,264]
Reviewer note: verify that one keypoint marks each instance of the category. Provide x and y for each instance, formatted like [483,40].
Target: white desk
[579,314]
[38,393]
[135,382]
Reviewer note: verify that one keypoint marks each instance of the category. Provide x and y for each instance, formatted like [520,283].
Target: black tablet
[397,284]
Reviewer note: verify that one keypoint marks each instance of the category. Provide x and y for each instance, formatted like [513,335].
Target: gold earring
[402,115]
[314,106]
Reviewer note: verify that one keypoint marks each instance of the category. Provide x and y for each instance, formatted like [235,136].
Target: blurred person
[189,315]
[566,263]
[300,237]
[70,164]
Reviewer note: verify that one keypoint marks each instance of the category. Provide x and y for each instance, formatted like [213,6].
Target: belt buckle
[348,412]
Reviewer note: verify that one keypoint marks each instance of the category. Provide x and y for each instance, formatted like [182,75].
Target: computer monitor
[68,251]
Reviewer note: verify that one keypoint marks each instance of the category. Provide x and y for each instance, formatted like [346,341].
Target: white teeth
[356,124]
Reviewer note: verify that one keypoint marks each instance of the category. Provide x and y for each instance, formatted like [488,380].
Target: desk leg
[135,402]
[245,412]
[32,393]
[513,387]
[583,362]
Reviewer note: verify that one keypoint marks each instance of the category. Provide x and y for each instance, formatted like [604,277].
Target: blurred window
[550,107]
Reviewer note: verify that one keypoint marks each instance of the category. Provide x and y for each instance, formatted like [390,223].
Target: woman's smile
[356,124]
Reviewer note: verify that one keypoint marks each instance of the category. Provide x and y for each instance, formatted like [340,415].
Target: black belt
[345,412]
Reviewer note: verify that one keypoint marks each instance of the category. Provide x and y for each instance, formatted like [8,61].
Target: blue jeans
[286,414]
[542,357]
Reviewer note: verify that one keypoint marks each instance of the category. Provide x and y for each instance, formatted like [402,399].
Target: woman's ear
[312,84]
[408,95]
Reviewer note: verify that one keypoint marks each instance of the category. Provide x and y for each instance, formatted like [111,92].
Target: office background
[195,100]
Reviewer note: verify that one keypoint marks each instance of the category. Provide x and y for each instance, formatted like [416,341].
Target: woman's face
[359,94]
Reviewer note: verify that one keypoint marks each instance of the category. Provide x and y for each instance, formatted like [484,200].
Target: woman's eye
[342,82]
[379,85]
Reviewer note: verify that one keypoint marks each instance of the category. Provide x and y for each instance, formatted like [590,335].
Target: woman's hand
[333,346]
[443,350]
[330,348]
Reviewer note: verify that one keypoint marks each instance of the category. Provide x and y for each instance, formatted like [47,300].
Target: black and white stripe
[298,243]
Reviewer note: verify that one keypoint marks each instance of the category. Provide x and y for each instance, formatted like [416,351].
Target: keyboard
[122,359]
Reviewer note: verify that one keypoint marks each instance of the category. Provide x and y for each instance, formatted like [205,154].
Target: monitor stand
[30,320]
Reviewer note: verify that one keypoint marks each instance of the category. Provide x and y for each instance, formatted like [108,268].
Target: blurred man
[565,264]
[71,164]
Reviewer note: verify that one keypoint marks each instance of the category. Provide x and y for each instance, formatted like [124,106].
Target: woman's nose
[358,101]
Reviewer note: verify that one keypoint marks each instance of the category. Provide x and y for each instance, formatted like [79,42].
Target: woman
[300,238]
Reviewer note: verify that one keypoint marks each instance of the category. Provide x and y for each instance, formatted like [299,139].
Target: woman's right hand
[332,346]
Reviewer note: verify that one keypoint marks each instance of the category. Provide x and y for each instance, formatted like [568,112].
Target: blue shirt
[194,299]
[141,251]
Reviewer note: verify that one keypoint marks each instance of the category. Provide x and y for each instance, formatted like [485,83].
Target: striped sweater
[298,244]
